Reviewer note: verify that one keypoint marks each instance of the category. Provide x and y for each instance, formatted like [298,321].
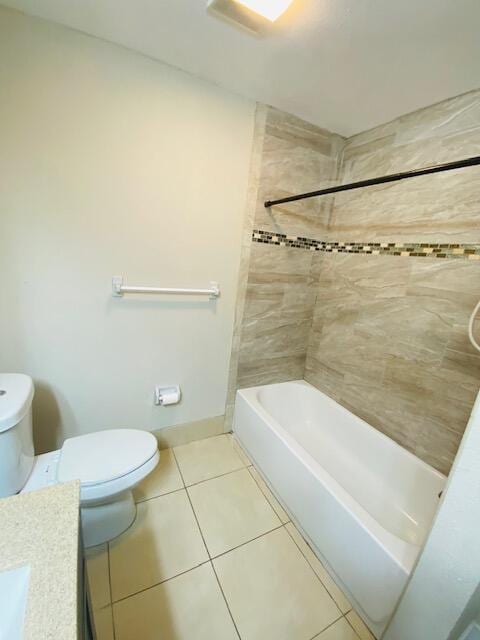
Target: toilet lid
[105,455]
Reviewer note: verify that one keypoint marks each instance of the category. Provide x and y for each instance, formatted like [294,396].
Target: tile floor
[212,555]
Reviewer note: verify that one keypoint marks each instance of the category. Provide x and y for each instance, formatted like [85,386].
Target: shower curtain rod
[394,177]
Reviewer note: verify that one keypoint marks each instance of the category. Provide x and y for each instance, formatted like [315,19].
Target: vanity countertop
[41,529]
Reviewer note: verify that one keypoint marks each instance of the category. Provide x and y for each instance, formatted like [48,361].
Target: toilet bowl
[107,463]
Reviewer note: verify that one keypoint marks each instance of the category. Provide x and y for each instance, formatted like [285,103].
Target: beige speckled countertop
[41,529]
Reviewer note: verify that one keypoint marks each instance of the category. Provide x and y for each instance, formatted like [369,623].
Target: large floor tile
[272,592]
[337,594]
[165,478]
[98,578]
[275,504]
[360,627]
[103,623]
[339,630]
[207,458]
[231,510]
[188,607]
[163,542]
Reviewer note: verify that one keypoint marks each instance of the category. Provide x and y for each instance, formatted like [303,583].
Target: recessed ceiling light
[269,9]
[253,15]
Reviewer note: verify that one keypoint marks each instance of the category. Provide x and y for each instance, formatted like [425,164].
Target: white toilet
[107,463]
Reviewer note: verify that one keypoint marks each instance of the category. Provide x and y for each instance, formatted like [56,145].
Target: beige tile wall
[434,208]
[385,336]
[275,306]
[389,342]
[389,338]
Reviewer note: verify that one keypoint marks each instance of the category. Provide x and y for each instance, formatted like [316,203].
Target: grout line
[226,601]
[156,584]
[176,446]
[195,516]
[307,561]
[186,486]
[160,495]
[327,627]
[266,497]
[110,587]
[177,467]
[221,475]
[113,623]
[194,484]
[109,572]
[265,533]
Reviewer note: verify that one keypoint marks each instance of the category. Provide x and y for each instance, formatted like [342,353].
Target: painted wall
[443,591]
[389,338]
[114,164]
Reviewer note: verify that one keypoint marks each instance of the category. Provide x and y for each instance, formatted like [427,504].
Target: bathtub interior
[397,489]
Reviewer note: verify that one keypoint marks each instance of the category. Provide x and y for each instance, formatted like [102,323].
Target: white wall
[114,164]
[445,585]
[470,614]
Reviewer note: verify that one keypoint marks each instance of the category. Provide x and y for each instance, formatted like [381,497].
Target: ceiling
[346,65]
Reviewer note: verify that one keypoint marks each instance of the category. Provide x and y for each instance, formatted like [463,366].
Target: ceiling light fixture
[269,9]
[254,15]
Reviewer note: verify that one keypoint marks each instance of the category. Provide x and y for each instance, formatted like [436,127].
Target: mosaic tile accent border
[404,249]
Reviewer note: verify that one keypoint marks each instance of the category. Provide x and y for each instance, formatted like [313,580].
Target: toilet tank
[16,438]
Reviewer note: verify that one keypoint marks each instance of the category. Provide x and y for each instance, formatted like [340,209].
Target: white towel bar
[118,289]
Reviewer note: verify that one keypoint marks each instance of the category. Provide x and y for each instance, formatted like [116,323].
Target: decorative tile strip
[404,249]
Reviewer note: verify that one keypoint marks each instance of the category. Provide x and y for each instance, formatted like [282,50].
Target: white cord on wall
[470,327]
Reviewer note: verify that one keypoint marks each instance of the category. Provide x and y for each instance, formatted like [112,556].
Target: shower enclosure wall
[367,294]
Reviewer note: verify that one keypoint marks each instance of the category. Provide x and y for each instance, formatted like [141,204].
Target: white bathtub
[364,502]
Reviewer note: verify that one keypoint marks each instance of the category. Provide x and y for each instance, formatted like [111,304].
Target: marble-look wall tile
[389,342]
[275,309]
[297,157]
[435,208]
[270,370]
[389,338]
[277,315]
[251,201]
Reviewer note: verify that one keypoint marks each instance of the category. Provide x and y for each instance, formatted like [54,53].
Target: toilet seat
[103,456]
[107,462]
[98,493]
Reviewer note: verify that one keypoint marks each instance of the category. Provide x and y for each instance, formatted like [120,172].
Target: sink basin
[13,602]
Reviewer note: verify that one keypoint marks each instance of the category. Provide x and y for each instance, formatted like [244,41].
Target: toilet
[107,463]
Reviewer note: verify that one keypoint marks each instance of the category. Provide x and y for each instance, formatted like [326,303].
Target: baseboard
[189,431]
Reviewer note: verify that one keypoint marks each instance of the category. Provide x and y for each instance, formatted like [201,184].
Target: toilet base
[103,522]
